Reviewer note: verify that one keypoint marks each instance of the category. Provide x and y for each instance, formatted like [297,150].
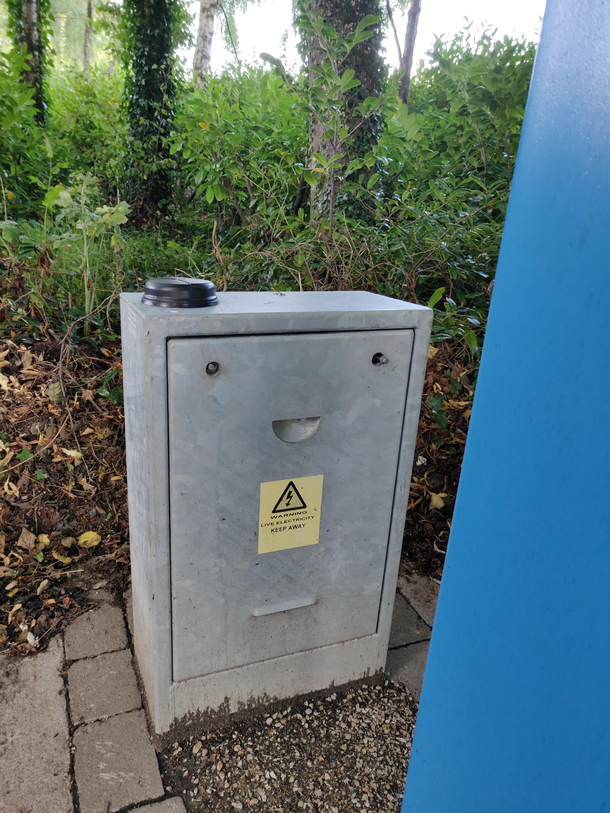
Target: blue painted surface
[515,710]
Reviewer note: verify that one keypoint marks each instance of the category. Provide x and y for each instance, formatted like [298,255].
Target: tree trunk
[365,60]
[25,25]
[406,62]
[87,38]
[203,46]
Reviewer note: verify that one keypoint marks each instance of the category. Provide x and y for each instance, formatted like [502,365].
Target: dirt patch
[63,506]
[441,437]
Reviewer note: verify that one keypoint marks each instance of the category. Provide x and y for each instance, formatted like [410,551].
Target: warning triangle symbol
[290,500]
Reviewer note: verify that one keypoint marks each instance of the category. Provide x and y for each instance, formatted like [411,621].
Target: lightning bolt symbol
[288,498]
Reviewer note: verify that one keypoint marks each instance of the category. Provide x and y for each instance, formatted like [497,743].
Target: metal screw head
[213,368]
[379,358]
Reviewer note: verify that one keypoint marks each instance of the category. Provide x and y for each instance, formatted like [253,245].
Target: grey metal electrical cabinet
[270,440]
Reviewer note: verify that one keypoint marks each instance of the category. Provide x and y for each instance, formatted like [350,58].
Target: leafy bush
[242,140]
[87,125]
[23,160]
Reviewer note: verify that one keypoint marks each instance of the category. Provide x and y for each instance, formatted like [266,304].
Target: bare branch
[406,62]
[391,18]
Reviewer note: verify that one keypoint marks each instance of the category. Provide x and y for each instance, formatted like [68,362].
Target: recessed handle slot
[296,430]
[281,607]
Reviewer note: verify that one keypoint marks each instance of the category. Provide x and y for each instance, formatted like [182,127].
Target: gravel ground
[337,753]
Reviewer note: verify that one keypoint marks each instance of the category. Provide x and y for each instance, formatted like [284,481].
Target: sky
[261,28]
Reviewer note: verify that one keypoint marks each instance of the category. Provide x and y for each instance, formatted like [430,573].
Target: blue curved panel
[515,710]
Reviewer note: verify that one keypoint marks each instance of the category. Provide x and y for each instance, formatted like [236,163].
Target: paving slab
[101,595]
[102,687]
[421,593]
[115,764]
[407,626]
[34,735]
[407,665]
[93,633]
[175,805]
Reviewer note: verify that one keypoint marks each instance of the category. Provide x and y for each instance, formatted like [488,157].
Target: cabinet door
[228,400]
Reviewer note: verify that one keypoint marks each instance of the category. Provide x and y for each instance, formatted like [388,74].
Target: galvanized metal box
[269,448]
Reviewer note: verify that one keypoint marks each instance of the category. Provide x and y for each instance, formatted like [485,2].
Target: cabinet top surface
[271,302]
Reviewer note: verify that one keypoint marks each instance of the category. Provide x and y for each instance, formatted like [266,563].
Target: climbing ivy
[152,29]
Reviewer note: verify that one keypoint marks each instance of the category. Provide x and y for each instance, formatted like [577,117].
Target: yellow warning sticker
[289,515]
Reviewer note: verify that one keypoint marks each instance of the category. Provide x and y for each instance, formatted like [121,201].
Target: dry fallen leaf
[2,542]
[432,351]
[27,360]
[436,500]
[27,539]
[42,540]
[72,453]
[60,558]
[10,488]
[42,586]
[5,461]
[87,431]
[67,541]
[89,539]
[54,393]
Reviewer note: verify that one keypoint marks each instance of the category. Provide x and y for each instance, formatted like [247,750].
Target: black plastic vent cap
[179,292]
